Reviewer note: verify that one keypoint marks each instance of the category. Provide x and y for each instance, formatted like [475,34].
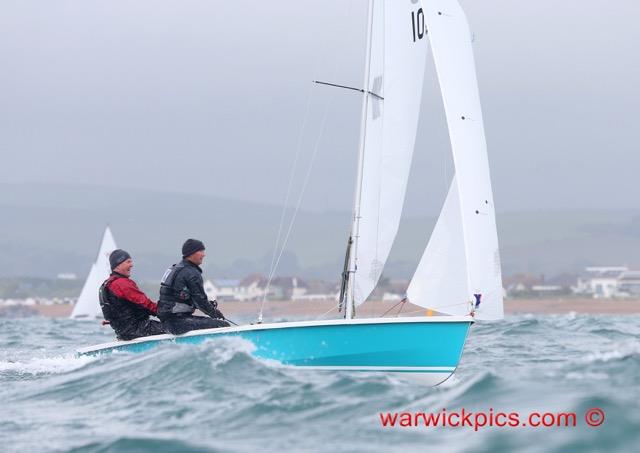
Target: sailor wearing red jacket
[123,304]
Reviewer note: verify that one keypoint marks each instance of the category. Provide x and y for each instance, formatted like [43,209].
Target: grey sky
[209,97]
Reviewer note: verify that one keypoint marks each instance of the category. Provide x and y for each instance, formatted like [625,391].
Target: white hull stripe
[424,369]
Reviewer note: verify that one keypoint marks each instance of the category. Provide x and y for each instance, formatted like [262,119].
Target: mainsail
[398,48]
[451,46]
[88,305]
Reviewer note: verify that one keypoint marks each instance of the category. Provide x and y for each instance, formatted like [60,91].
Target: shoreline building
[608,282]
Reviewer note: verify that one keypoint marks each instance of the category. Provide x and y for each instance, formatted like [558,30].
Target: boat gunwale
[277,325]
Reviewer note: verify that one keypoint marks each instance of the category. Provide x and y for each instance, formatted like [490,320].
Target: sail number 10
[417,24]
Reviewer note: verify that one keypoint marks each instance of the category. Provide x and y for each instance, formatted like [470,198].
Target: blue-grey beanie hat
[191,246]
[118,256]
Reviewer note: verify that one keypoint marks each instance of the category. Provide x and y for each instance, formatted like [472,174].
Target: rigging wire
[394,306]
[289,186]
[275,261]
[297,207]
[403,301]
[291,176]
[335,307]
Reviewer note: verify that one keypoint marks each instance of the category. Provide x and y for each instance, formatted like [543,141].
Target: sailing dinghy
[88,305]
[459,273]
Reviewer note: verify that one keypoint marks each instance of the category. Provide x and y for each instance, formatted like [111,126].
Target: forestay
[398,53]
[451,46]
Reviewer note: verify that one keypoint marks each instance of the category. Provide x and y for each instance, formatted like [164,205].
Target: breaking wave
[217,397]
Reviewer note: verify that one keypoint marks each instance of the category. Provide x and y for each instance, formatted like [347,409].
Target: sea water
[217,397]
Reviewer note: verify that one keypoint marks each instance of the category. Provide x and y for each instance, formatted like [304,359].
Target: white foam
[226,349]
[46,365]
[587,376]
[623,351]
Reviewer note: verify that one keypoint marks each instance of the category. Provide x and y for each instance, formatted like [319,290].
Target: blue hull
[426,345]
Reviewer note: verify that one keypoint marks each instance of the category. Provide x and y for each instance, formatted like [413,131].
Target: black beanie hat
[118,256]
[191,246]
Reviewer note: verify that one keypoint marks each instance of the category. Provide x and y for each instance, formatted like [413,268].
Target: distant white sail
[85,306]
[441,279]
[451,46]
[88,304]
[398,54]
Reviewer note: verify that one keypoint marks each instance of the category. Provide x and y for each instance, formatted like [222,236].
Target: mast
[352,254]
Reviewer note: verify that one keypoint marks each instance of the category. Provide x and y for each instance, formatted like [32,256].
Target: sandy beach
[319,309]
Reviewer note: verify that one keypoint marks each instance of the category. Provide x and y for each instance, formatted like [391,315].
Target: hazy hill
[46,229]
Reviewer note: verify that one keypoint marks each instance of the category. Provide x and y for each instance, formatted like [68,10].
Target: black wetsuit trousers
[179,324]
[140,329]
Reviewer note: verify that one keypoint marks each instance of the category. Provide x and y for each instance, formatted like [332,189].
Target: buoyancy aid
[120,312]
[175,297]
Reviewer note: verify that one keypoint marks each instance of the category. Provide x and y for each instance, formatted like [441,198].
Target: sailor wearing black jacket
[182,291]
